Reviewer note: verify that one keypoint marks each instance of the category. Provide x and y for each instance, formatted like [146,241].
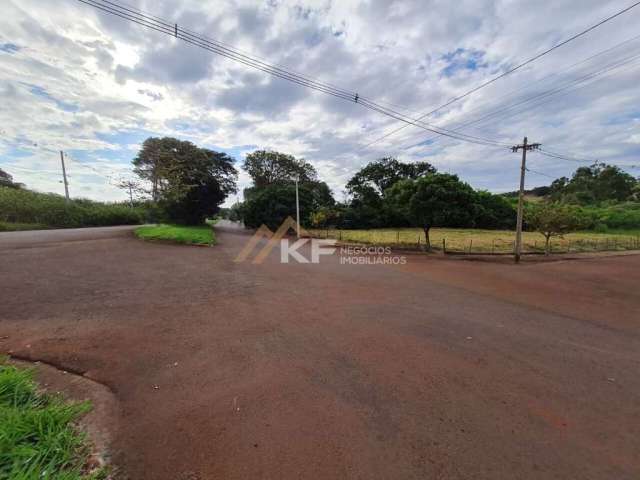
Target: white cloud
[75,79]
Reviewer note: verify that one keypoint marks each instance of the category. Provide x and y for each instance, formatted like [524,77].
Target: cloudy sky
[96,86]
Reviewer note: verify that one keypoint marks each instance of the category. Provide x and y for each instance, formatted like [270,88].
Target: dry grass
[486,241]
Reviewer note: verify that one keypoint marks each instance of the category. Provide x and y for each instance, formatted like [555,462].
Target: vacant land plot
[487,241]
[438,369]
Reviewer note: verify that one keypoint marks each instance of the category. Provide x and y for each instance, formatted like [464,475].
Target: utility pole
[297,211]
[64,176]
[523,168]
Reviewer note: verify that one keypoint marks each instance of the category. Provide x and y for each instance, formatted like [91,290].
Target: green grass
[17,227]
[488,241]
[38,436]
[190,235]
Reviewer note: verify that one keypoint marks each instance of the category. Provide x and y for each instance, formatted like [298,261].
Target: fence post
[470,245]
[569,246]
[444,245]
[340,235]
[398,237]
[493,246]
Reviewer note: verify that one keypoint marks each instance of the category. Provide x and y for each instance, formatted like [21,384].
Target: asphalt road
[439,369]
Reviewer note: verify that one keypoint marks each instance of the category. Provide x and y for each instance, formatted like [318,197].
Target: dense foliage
[188,183]
[272,196]
[373,201]
[47,209]
[596,183]
[435,200]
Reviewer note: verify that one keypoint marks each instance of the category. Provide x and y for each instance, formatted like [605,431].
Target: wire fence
[485,242]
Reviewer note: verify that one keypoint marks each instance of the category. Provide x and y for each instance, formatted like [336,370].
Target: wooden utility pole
[297,210]
[64,176]
[523,168]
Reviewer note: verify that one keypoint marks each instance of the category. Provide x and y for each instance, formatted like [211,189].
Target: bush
[26,206]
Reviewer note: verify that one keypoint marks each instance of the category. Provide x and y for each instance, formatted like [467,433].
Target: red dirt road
[439,369]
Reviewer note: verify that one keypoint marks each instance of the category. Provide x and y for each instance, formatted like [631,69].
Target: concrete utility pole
[297,211]
[523,168]
[64,176]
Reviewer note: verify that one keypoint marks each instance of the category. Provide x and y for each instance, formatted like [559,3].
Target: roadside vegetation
[185,234]
[387,201]
[22,209]
[39,438]
[395,203]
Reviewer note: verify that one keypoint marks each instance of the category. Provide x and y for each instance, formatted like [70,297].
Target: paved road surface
[30,238]
[438,369]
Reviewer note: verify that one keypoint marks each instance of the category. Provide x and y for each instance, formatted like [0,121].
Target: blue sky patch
[42,93]
[462,59]
[9,48]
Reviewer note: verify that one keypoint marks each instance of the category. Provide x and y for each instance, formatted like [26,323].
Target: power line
[216,47]
[540,173]
[571,85]
[508,72]
[560,156]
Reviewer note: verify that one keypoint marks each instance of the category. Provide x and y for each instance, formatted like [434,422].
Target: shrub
[26,206]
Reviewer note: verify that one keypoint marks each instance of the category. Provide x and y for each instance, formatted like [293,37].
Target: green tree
[553,219]
[436,200]
[188,182]
[367,208]
[272,205]
[596,183]
[268,168]
[493,211]
[378,176]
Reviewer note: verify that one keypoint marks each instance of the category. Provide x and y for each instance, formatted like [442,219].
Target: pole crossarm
[529,147]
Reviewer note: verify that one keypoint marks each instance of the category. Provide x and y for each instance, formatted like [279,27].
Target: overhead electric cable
[215,47]
[510,71]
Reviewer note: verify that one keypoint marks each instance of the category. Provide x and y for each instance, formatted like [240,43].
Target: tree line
[186,184]
[385,193]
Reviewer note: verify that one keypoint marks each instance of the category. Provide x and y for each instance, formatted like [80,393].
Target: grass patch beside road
[189,235]
[38,436]
[18,227]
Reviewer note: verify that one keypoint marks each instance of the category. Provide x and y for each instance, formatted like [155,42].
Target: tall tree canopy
[267,167]
[367,208]
[271,198]
[596,183]
[189,182]
[436,200]
[378,176]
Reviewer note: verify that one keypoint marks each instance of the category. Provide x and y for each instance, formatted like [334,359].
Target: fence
[482,241]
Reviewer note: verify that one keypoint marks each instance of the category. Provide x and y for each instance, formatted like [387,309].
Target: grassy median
[38,436]
[189,235]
